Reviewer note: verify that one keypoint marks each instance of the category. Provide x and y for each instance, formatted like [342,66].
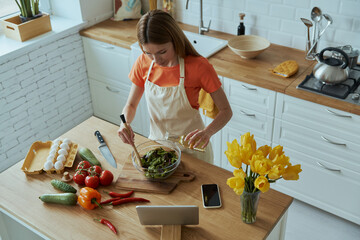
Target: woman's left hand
[198,138]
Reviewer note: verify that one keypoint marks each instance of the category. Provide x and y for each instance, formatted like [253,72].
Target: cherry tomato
[92,181]
[106,178]
[95,170]
[79,177]
[83,165]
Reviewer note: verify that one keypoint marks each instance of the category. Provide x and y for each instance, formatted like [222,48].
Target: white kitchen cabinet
[231,132]
[108,67]
[325,142]
[253,111]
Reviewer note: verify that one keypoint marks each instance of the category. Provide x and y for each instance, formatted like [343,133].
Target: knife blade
[104,149]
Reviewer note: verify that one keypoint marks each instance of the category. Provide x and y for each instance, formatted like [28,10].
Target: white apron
[171,114]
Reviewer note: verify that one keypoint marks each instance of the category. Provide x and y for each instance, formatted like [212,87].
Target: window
[8,7]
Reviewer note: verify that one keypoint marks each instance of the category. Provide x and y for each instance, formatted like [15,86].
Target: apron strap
[149,71]
[182,68]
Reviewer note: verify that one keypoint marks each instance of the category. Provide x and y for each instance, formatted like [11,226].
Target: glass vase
[249,203]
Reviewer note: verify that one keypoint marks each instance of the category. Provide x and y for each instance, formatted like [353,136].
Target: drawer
[322,146]
[333,191]
[249,96]
[251,121]
[318,117]
[106,61]
[228,134]
[108,102]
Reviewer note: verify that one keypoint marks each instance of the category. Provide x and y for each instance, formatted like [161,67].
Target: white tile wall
[277,20]
[43,93]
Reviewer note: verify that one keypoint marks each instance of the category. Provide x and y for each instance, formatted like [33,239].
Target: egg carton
[69,159]
[38,154]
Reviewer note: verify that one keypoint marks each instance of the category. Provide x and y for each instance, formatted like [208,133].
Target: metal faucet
[202,28]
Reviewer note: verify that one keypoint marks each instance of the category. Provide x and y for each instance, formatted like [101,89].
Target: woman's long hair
[159,27]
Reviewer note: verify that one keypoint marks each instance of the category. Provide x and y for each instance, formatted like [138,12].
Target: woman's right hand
[127,136]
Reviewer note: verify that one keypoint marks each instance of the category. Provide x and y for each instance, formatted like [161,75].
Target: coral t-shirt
[199,73]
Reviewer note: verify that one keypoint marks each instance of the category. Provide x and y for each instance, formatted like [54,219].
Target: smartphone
[210,195]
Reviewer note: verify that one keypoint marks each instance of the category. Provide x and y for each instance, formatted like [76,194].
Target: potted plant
[28,24]
[29,9]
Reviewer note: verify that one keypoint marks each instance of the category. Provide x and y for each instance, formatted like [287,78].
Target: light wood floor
[306,222]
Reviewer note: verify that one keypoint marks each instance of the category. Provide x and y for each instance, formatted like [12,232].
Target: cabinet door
[251,121]
[109,101]
[107,62]
[322,146]
[250,97]
[336,191]
[318,117]
[229,134]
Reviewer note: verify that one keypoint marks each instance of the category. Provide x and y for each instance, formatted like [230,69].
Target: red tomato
[95,170]
[83,165]
[92,181]
[106,178]
[79,177]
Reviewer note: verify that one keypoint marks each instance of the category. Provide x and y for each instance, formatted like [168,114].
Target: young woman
[172,73]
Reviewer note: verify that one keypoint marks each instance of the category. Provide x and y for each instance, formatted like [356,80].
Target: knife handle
[99,137]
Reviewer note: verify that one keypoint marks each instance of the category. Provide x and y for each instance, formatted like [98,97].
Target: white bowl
[248,46]
[157,172]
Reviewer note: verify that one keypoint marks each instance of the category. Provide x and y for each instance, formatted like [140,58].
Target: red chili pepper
[110,200]
[107,223]
[122,195]
[126,200]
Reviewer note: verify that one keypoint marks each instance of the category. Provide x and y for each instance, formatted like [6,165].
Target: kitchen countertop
[20,192]
[228,64]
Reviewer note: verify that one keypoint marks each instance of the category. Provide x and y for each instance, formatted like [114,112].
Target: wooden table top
[20,192]
[228,64]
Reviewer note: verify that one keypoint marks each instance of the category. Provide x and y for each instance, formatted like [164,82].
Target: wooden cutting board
[131,179]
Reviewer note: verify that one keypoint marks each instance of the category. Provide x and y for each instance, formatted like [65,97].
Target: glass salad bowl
[158,159]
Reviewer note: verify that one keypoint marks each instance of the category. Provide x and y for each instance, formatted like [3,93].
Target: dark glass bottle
[241,27]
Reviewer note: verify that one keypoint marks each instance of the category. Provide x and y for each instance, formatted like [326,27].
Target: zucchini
[59,198]
[63,186]
[87,155]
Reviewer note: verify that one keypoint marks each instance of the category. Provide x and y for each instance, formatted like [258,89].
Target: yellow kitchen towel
[207,104]
[286,69]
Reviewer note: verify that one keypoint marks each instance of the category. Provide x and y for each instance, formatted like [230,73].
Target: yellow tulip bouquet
[263,165]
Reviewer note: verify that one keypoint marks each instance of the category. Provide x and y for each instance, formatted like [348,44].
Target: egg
[64,146]
[67,141]
[48,165]
[61,158]
[63,152]
[59,165]
[50,158]
[54,147]
[52,152]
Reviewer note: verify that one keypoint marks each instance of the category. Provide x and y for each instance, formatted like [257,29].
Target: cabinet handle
[107,47]
[247,114]
[327,168]
[112,90]
[332,142]
[337,114]
[249,88]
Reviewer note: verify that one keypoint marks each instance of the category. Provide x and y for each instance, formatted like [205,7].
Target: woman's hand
[127,136]
[198,138]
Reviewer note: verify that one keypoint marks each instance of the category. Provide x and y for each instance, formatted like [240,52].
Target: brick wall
[43,93]
[277,20]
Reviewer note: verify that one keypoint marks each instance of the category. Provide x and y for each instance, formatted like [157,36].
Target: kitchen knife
[104,149]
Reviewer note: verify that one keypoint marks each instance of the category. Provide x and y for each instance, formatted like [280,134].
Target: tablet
[168,215]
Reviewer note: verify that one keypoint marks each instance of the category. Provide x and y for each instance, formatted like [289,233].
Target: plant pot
[21,31]
[25,19]
[249,203]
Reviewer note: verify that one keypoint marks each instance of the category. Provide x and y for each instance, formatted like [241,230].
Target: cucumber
[59,198]
[87,155]
[63,186]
